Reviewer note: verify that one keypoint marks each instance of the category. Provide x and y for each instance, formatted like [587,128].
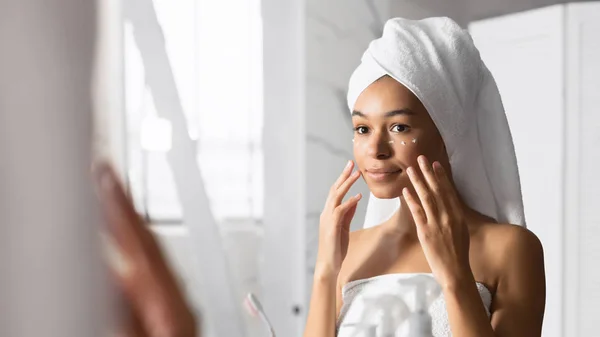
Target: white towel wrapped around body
[437,60]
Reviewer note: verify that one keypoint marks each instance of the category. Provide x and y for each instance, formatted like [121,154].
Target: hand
[334,226]
[440,223]
[154,304]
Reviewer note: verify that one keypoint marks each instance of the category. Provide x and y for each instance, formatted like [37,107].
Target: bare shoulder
[506,241]
[509,251]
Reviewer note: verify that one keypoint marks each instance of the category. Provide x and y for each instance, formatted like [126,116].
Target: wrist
[325,273]
[458,283]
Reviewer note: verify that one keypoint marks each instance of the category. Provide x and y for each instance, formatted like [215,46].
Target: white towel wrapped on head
[437,60]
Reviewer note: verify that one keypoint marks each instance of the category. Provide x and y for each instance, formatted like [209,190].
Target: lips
[382,174]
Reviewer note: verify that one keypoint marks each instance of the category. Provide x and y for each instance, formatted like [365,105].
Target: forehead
[387,94]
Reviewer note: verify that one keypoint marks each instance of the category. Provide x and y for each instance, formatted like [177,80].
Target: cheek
[410,154]
[360,145]
[419,144]
[359,150]
[409,151]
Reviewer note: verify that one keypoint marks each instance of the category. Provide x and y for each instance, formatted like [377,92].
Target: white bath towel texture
[437,60]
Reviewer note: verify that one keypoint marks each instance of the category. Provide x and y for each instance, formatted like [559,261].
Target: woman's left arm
[519,301]
[520,297]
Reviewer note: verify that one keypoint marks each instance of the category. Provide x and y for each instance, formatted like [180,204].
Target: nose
[379,146]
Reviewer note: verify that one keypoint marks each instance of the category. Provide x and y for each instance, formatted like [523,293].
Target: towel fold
[437,60]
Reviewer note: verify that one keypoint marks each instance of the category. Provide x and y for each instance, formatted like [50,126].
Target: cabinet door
[524,52]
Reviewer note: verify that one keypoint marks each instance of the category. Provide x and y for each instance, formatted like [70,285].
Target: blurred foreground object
[153,301]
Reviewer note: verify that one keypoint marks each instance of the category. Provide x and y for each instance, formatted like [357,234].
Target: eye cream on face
[404,143]
[358,143]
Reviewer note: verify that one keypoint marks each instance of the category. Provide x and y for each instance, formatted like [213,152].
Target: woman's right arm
[322,312]
[334,235]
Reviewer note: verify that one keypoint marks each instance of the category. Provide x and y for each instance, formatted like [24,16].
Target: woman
[430,131]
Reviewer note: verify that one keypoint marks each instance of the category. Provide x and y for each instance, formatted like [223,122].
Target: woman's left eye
[400,128]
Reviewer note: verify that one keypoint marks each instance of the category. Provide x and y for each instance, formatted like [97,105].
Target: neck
[401,223]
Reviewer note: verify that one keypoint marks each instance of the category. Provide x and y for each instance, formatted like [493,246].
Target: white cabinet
[547,65]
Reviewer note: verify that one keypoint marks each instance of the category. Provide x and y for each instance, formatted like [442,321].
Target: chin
[386,192]
[387,189]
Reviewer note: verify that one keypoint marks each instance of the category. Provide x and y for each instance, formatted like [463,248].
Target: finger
[331,197]
[443,179]
[130,232]
[349,216]
[447,188]
[151,290]
[128,324]
[125,321]
[347,206]
[145,285]
[345,174]
[424,195]
[434,187]
[120,266]
[151,279]
[344,188]
[415,209]
[122,221]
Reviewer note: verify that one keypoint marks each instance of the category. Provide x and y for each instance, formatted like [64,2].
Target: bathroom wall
[310,50]
[455,9]
[337,34]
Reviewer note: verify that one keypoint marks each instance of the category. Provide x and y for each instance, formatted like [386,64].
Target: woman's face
[391,129]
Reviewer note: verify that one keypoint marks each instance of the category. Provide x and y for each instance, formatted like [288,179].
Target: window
[214,54]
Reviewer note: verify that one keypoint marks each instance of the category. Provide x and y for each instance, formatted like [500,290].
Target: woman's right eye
[361,130]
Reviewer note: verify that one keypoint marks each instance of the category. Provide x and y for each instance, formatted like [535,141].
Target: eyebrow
[387,114]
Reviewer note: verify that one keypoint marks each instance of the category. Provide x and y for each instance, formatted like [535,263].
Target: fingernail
[438,166]
[355,173]
[410,171]
[348,164]
[358,196]
[421,160]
